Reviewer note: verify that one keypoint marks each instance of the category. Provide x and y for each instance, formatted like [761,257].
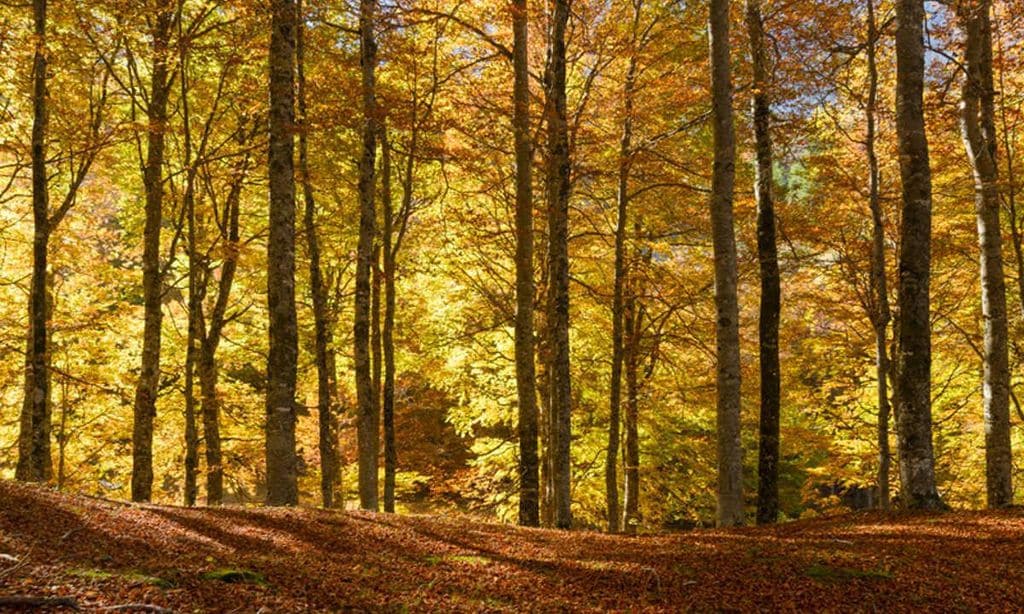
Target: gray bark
[558,265]
[730,451]
[148,383]
[979,136]
[526,383]
[913,386]
[368,419]
[282,362]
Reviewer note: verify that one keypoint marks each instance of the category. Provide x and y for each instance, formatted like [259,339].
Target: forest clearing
[103,553]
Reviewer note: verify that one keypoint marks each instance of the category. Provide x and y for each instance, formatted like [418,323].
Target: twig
[139,607]
[28,601]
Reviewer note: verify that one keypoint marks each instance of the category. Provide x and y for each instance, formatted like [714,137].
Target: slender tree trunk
[34,461]
[210,341]
[979,135]
[388,250]
[367,417]
[529,481]
[317,288]
[282,363]
[558,265]
[632,323]
[881,314]
[152,283]
[768,324]
[376,346]
[730,450]
[913,389]
[621,271]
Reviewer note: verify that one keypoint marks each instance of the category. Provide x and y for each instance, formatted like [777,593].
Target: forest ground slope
[103,553]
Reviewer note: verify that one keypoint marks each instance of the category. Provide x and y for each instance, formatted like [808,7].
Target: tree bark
[633,314]
[34,461]
[768,258]
[529,462]
[558,265]
[326,410]
[621,272]
[881,313]
[730,451]
[282,466]
[389,250]
[368,420]
[152,279]
[913,388]
[979,136]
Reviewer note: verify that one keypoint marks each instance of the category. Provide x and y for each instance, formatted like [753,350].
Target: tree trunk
[282,466]
[317,289]
[367,417]
[768,324]
[881,314]
[376,345]
[388,336]
[621,270]
[34,461]
[558,265]
[632,323]
[210,340]
[979,135]
[529,482]
[730,450]
[152,283]
[913,388]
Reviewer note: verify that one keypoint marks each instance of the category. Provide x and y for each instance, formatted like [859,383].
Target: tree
[147,387]
[526,392]
[282,361]
[558,182]
[768,324]
[34,461]
[368,418]
[326,379]
[730,451]
[625,160]
[880,312]
[913,385]
[978,127]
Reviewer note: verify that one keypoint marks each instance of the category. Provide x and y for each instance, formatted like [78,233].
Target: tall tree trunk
[979,134]
[632,323]
[34,461]
[317,289]
[622,201]
[377,341]
[730,450]
[558,265]
[529,481]
[282,363]
[913,387]
[881,314]
[368,419]
[388,335]
[210,340]
[152,283]
[768,324]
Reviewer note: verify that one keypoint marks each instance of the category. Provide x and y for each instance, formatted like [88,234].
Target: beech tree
[768,323]
[913,383]
[723,177]
[978,125]
[282,360]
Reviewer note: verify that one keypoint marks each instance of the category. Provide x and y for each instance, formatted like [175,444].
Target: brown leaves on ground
[104,553]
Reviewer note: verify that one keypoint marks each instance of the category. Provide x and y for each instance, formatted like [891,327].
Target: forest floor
[105,556]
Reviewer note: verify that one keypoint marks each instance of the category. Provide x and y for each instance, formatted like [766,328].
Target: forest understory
[104,555]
